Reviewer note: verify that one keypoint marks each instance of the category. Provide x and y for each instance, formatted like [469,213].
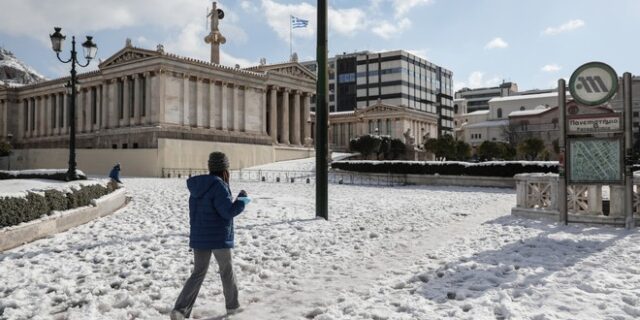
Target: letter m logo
[592,84]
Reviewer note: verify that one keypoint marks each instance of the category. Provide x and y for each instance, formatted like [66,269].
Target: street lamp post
[90,49]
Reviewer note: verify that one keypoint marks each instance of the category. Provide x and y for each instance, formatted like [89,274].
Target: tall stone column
[273,113]
[237,126]
[40,117]
[284,129]
[88,109]
[137,96]
[124,119]
[96,125]
[3,123]
[212,104]
[295,136]
[200,117]
[263,109]
[106,104]
[185,100]
[145,114]
[306,124]
[224,107]
[46,116]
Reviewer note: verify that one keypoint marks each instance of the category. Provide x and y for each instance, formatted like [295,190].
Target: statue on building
[294,57]
[215,38]
[409,140]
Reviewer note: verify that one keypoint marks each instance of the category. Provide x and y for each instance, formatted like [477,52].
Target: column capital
[146,74]
[275,88]
[287,90]
[185,76]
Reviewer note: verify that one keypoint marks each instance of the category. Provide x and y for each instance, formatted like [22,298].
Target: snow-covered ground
[307,164]
[386,253]
[19,187]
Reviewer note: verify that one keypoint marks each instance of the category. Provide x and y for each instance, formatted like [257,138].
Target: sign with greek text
[588,124]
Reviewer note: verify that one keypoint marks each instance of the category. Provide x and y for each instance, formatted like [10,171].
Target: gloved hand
[242,194]
[246,200]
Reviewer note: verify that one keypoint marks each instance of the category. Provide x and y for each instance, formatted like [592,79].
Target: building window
[125,146]
[555,122]
[455,108]
[523,125]
[135,145]
[499,112]
[522,108]
[114,146]
[635,114]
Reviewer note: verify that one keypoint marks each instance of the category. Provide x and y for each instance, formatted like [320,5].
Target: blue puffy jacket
[211,212]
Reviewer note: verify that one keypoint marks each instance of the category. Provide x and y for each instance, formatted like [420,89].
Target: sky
[484,42]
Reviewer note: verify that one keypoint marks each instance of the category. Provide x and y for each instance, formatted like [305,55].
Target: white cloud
[551,68]
[566,27]
[496,43]
[387,30]
[403,7]
[248,6]
[477,80]
[342,21]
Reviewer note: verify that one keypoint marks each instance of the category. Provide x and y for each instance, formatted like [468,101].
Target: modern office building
[397,78]
[478,99]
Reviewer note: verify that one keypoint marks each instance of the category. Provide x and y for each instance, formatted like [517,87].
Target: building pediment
[291,68]
[128,55]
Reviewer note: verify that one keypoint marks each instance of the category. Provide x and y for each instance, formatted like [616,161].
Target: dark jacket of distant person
[115,173]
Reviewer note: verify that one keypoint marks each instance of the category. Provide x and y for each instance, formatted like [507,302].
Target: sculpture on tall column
[215,38]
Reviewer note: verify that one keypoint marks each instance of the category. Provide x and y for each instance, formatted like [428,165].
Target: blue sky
[531,42]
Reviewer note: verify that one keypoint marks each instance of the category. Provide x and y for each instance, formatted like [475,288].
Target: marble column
[306,124]
[126,112]
[40,112]
[96,125]
[237,126]
[88,109]
[137,96]
[106,104]
[146,106]
[200,117]
[273,113]
[284,129]
[263,108]
[224,107]
[295,137]
[212,104]
[185,100]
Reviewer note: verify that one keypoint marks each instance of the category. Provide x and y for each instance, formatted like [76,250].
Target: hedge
[14,210]
[455,168]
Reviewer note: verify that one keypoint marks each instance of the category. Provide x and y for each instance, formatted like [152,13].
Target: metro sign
[593,83]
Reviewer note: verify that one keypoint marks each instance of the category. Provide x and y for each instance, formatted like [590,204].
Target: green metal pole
[322,116]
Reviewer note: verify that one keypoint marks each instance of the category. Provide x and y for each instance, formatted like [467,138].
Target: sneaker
[234,311]
[177,315]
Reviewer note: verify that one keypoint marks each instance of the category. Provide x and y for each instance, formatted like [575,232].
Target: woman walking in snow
[211,213]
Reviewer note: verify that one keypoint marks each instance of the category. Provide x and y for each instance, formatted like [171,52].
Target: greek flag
[298,23]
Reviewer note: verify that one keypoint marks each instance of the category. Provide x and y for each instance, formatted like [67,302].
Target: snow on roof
[526,97]
[488,124]
[528,112]
[337,113]
[476,113]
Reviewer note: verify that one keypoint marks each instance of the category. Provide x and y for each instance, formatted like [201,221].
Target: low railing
[537,195]
[293,176]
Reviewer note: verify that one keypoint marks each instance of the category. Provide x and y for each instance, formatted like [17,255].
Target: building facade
[478,99]
[396,78]
[153,111]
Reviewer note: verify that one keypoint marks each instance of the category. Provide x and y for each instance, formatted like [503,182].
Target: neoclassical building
[152,111]
[384,119]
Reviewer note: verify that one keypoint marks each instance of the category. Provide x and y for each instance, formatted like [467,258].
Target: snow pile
[20,187]
[15,72]
[42,172]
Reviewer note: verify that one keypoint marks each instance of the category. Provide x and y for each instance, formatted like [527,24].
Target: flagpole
[290,36]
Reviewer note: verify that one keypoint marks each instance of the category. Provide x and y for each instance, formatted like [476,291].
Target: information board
[595,161]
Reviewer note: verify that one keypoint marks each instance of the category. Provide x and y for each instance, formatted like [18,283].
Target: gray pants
[201,259]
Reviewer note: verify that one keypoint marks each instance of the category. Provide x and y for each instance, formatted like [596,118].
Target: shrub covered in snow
[51,174]
[15,210]
[456,168]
